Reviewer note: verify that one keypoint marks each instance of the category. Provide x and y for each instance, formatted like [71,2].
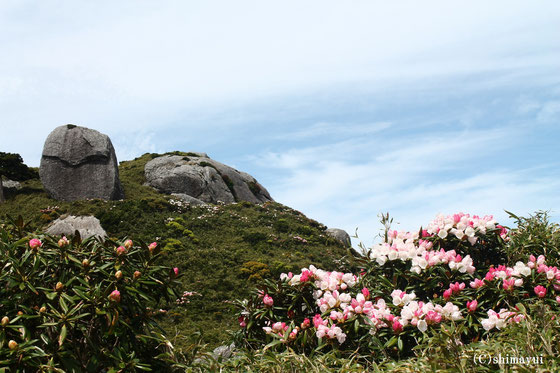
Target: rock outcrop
[87,226]
[202,178]
[11,184]
[341,235]
[80,163]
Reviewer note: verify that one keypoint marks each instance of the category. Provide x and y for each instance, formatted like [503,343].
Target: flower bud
[20,313]
[63,242]
[118,275]
[121,250]
[137,274]
[35,243]
[152,246]
[128,244]
[12,344]
[59,286]
[115,296]
[43,309]
[85,263]
[176,271]
[5,320]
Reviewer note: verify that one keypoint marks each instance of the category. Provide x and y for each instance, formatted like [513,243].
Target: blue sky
[341,110]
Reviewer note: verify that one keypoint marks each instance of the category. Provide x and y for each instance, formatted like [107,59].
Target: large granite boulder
[202,178]
[87,226]
[341,235]
[80,163]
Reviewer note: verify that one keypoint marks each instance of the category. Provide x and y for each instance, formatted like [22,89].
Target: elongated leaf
[62,336]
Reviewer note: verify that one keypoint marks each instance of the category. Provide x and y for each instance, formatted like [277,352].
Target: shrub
[81,305]
[448,280]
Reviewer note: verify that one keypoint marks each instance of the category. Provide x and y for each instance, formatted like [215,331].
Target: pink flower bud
[115,296]
[397,326]
[447,294]
[152,246]
[176,271]
[472,305]
[268,301]
[121,250]
[128,244]
[35,243]
[365,293]
[63,242]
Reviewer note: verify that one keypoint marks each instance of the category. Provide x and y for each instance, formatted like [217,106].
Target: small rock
[87,226]
[224,352]
[10,184]
[188,199]
[341,235]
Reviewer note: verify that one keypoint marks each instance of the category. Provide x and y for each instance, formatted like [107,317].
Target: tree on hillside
[12,167]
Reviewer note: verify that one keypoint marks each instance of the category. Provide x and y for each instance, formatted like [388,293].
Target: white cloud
[460,170]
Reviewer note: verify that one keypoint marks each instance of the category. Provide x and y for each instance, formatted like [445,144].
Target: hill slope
[220,250]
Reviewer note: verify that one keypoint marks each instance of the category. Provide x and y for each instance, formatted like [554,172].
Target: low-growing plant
[73,305]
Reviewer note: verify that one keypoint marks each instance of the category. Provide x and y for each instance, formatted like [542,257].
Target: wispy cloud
[413,176]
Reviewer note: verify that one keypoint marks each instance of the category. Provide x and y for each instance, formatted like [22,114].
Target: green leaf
[391,342]
[62,336]
[63,304]
[400,344]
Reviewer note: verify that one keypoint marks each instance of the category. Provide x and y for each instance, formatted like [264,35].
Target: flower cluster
[501,319]
[421,255]
[462,226]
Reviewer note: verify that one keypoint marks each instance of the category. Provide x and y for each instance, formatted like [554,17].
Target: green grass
[221,251]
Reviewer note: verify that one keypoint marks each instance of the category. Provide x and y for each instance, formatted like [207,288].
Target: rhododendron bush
[73,305]
[455,273]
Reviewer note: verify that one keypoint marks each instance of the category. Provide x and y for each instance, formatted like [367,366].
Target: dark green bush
[81,305]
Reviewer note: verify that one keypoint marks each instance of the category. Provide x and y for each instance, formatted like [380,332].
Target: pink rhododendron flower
[508,284]
[365,292]
[35,243]
[477,283]
[457,287]
[306,323]
[540,291]
[305,276]
[176,271]
[268,301]
[397,326]
[152,246]
[242,321]
[472,305]
[318,320]
[447,294]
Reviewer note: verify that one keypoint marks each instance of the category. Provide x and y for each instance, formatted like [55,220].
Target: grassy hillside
[220,250]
